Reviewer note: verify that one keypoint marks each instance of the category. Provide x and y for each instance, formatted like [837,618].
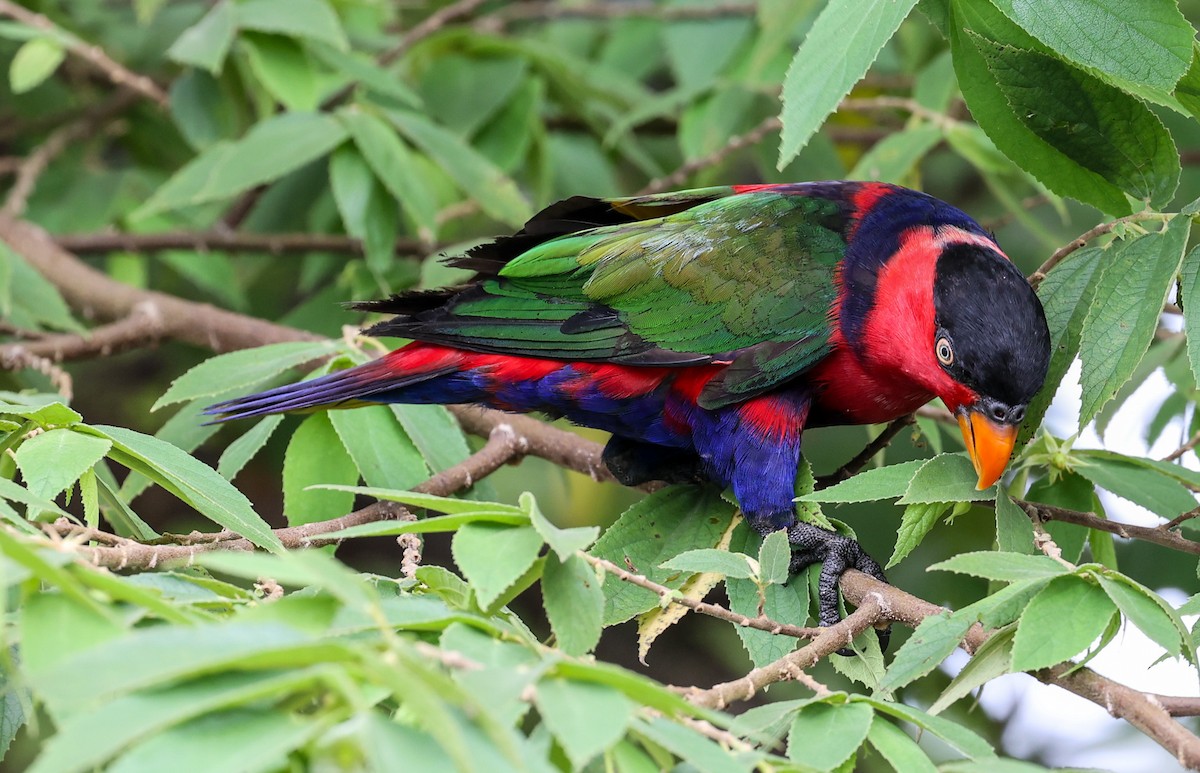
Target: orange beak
[989,444]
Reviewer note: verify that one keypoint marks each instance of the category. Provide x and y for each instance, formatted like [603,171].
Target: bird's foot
[836,553]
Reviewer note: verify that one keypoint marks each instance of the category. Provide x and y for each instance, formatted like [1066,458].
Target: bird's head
[989,350]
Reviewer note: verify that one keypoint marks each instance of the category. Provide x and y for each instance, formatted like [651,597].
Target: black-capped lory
[706,329]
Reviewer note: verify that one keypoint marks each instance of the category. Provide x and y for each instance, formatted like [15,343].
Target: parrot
[706,329]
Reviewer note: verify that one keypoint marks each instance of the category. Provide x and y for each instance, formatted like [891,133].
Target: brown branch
[1156,535]
[430,25]
[143,327]
[881,441]
[92,54]
[1183,449]
[736,143]
[1081,241]
[226,241]
[668,595]
[122,554]
[1148,713]
[825,643]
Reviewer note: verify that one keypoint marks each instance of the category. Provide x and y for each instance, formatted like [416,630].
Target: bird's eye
[945,353]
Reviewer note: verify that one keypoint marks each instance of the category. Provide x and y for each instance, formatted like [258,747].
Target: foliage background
[274,158]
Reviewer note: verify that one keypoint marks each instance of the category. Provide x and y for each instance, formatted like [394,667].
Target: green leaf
[395,167]
[1066,295]
[435,432]
[965,740]
[464,93]
[574,603]
[898,748]
[775,558]
[655,529]
[284,69]
[917,521]
[931,642]
[17,493]
[698,50]
[1149,44]
[712,560]
[894,158]
[564,542]
[312,19]
[246,447]
[35,61]
[1147,611]
[46,415]
[990,661]
[585,718]
[192,481]
[206,43]
[39,301]
[824,735]
[1187,91]
[362,69]
[848,32]
[271,149]
[1121,323]
[52,461]
[1014,530]
[994,114]
[437,524]
[54,627]
[1139,484]
[315,455]
[12,711]
[1189,291]
[699,752]
[479,178]
[302,568]
[433,502]
[788,602]
[224,742]
[871,485]
[946,478]
[368,211]
[381,450]
[1062,620]
[1095,125]
[493,557]
[1004,567]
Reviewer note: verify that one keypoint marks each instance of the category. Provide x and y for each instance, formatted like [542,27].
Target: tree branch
[92,54]
[881,441]
[224,241]
[736,143]
[143,326]
[1154,534]
[1081,241]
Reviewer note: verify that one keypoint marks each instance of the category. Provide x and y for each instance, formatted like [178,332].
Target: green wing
[744,279]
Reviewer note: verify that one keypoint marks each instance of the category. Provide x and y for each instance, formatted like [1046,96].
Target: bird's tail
[379,381]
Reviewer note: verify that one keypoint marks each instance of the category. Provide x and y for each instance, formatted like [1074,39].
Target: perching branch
[1154,534]
[1081,241]
[92,54]
[143,327]
[223,241]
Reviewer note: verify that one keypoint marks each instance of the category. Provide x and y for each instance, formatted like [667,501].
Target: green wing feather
[742,279]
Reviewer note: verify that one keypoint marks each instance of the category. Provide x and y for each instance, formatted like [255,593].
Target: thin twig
[1156,535]
[881,441]
[143,327]
[222,241]
[1192,442]
[1081,241]
[92,54]
[431,24]
[825,643]
[684,172]
[761,623]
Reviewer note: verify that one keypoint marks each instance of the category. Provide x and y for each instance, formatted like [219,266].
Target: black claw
[836,553]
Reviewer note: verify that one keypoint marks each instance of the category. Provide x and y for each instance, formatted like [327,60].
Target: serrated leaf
[479,178]
[720,562]
[493,557]
[447,505]
[848,34]
[314,456]
[895,746]
[35,61]
[965,740]
[380,448]
[1189,291]
[206,43]
[394,166]
[1062,620]
[785,603]
[824,735]
[946,478]
[192,481]
[1118,328]
[655,529]
[1147,611]
[52,461]
[990,661]
[1004,567]
[931,642]
[564,542]
[585,718]
[1149,44]
[775,557]
[1145,486]
[246,447]
[574,603]
[1014,530]
[273,148]
[313,19]
[870,485]
[917,521]
[46,415]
